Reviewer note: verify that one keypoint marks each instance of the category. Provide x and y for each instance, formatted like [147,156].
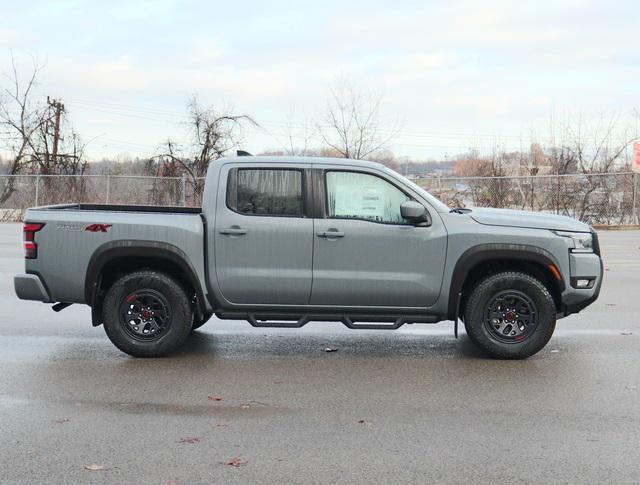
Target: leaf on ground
[94,467]
[190,440]
[236,462]
[626,333]
[214,398]
[61,420]
[362,421]
[245,406]
[330,349]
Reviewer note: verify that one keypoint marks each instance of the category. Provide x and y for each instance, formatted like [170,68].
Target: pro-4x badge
[98,227]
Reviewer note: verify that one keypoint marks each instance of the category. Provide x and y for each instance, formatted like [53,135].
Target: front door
[365,254]
[263,238]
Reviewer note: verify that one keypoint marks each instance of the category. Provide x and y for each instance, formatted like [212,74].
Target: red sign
[636,157]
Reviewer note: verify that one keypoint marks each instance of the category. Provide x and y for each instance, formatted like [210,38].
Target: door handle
[330,234]
[233,231]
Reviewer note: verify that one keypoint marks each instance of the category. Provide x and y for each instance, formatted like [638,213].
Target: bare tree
[298,137]
[211,135]
[20,120]
[600,151]
[388,159]
[352,125]
[580,171]
[27,126]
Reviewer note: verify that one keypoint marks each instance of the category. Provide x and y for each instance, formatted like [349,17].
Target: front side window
[354,195]
[267,192]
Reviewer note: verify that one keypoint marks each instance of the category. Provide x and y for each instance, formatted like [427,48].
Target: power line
[273,128]
[125,115]
[108,108]
[113,108]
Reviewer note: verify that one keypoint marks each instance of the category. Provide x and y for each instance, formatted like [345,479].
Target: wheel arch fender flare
[114,250]
[495,251]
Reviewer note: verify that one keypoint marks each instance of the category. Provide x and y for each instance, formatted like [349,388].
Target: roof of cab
[292,159]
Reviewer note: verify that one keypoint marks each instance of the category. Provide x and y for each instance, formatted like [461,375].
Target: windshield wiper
[460,210]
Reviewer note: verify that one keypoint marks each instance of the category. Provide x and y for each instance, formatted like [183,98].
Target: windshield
[439,205]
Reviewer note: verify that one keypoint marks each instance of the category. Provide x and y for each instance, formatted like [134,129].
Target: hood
[533,220]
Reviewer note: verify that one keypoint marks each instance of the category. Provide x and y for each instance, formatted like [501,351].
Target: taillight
[29,239]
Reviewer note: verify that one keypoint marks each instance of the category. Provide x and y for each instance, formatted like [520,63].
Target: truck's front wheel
[510,315]
[147,314]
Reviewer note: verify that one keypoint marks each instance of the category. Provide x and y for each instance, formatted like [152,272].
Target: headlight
[582,241]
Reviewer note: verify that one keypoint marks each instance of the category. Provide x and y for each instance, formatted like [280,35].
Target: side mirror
[414,213]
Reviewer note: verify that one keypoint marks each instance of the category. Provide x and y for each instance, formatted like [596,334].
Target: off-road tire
[180,314]
[483,294]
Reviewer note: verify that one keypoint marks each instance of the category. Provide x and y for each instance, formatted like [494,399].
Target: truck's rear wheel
[147,314]
[510,315]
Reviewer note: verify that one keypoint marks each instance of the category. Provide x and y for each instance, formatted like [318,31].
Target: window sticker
[363,196]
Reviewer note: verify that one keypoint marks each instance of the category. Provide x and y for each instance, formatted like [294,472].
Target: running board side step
[58,307]
[288,320]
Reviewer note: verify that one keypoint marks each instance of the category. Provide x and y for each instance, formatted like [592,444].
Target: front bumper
[30,287]
[583,266]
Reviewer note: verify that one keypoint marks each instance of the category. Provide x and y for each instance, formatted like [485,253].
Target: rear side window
[266,192]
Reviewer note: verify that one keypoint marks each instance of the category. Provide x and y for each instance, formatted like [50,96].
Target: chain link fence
[19,192]
[609,199]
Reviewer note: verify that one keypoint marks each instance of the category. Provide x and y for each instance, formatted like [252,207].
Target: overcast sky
[453,74]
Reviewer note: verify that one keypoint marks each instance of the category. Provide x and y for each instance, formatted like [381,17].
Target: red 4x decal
[98,228]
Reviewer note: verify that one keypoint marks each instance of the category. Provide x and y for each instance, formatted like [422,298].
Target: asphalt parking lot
[410,406]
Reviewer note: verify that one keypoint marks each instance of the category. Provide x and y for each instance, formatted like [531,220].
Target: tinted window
[266,192]
[362,196]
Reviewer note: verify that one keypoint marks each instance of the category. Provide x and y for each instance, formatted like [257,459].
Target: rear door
[365,254]
[263,238]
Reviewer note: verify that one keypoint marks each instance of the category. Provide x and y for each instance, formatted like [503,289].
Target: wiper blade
[460,210]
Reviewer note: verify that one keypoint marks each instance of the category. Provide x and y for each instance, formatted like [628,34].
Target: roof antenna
[242,153]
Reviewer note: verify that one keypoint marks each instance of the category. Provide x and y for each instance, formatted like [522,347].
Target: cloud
[116,75]
[8,37]
[15,39]
[205,50]
[462,65]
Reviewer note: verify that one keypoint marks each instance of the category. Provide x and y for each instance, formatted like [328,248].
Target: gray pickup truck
[283,241]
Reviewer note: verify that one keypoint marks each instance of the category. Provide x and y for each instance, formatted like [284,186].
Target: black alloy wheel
[145,314]
[511,316]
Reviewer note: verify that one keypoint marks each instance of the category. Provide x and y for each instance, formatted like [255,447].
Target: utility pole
[58,110]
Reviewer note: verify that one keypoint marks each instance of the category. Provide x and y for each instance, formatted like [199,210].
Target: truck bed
[66,246]
[165,209]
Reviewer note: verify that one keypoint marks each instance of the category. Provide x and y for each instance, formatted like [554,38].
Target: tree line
[39,138]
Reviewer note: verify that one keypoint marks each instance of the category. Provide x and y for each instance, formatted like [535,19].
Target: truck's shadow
[317,345]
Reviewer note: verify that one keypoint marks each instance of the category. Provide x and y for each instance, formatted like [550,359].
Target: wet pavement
[408,406]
